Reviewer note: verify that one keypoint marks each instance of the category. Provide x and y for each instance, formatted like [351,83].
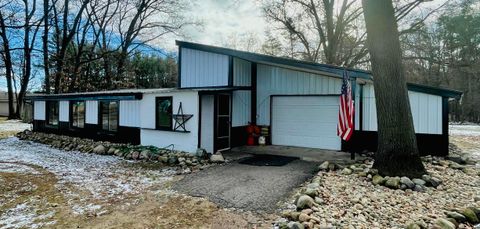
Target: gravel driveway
[248,187]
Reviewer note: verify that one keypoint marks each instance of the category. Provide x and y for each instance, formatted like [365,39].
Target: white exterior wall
[64,111]
[206,138]
[273,80]
[182,141]
[129,113]
[91,112]
[39,110]
[426,111]
[203,69]
[241,108]
[242,71]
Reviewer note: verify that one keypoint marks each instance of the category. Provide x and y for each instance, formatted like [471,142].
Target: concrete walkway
[307,154]
[246,186]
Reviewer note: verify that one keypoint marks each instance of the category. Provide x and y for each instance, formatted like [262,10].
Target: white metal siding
[242,71]
[241,108]
[182,141]
[273,80]
[426,111]
[91,112]
[64,111]
[206,137]
[39,110]
[129,113]
[306,121]
[203,69]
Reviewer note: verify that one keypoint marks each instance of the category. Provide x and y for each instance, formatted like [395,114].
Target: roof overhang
[280,61]
[448,93]
[86,96]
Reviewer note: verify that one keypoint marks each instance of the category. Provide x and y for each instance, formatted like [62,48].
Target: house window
[163,107]
[52,113]
[109,115]
[78,114]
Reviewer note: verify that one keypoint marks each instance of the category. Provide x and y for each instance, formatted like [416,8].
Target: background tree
[397,153]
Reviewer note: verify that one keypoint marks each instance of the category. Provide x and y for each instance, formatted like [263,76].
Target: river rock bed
[186,161]
[347,197]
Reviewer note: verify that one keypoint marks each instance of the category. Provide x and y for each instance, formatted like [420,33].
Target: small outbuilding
[221,91]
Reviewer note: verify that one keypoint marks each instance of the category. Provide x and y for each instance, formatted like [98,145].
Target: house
[220,91]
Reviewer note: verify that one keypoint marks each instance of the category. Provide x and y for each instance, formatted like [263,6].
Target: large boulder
[324,166]
[393,182]
[378,180]
[407,182]
[217,158]
[470,215]
[442,223]
[100,149]
[305,201]
[457,216]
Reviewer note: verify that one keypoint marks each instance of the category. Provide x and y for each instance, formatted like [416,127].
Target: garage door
[305,121]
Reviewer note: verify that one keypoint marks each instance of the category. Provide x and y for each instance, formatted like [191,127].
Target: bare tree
[64,34]
[7,60]
[397,153]
[332,32]
[141,21]
[30,30]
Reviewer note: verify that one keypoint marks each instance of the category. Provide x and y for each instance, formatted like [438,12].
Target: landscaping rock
[303,217]
[324,166]
[419,188]
[295,225]
[145,154]
[457,216]
[310,192]
[419,181]
[100,149]
[217,158]
[378,180]
[347,171]
[442,223]
[413,226]
[393,182]
[407,182]
[305,201]
[470,215]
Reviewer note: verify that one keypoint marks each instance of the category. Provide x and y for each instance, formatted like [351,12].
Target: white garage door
[305,121]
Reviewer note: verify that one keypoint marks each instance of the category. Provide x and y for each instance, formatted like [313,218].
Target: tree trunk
[8,67]
[45,47]
[397,153]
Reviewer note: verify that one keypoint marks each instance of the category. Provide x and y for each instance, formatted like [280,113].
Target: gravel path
[249,187]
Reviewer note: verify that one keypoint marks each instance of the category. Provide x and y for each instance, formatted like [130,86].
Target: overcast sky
[222,18]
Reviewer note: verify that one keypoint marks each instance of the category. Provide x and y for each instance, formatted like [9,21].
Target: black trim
[179,66]
[226,88]
[85,96]
[166,128]
[445,141]
[230,71]
[100,118]
[360,106]
[253,94]
[255,57]
[70,113]
[124,134]
[199,131]
[435,90]
[47,114]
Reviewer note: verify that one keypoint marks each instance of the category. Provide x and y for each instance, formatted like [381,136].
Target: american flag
[346,110]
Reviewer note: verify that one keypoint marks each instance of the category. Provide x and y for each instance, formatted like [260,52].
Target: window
[109,115]
[52,113]
[78,114]
[163,113]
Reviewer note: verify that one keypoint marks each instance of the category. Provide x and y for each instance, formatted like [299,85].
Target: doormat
[267,160]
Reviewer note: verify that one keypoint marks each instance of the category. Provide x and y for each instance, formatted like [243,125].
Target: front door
[223,122]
